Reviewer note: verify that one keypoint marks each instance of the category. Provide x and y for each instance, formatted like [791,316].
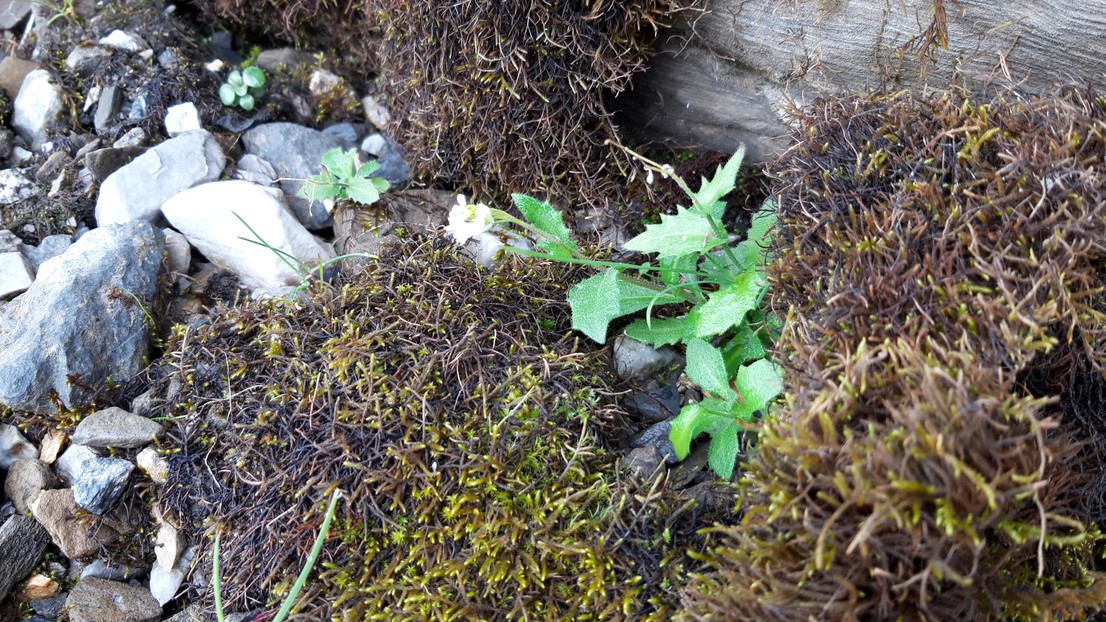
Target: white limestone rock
[206,215]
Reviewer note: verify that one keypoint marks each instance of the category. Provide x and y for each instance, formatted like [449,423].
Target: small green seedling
[242,88]
[343,177]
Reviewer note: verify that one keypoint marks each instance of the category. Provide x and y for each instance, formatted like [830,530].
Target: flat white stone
[208,215]
[16,275]
[182,118]
[125,41]
[37,107]
[13,446]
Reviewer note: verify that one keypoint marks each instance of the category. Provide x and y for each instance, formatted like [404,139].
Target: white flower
[649,176]
[467,220]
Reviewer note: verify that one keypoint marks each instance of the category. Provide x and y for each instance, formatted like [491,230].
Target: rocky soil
[131,199]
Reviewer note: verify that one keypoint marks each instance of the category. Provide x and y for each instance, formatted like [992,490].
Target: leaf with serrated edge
[709,415]
[686,232]
[727,306]
[339,163]
[633,296]
[660,332]
[744,346]
[363,190]
[593,306]
[759,382]
[707,369]
[722,455]
[368,168]
[547,219]
[724,181]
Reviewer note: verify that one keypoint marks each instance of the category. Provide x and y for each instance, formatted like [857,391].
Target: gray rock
[635,361]
[295,152]
[139,108]
[85,58]
[52,167]
[284,58]
[111,100]
[46,340]
[347,133]
[644,462]
[103,162]
[7,143]
[255,170]
[165,583]
[14,447]
[16,275]
[655,402]
[51,246]
[115,427]
[374,144]
[13,71]
[154,465]
[71,463]
[178,252]
[194,613]
[101,483]
[50,608]
[135,137]
[15,186]
[124,41]
[376,112]
[656,436]
[691,467]
[393,167]
[37,108]
[96,600]
[12,12]
[108,571]
[68,525]
[168,59]
[22,542]
[137,190]
[10,242]
[27,478]
[144,403]
[182,118]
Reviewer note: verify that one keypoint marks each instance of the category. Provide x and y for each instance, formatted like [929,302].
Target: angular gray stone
[101,483]
[51,246]
[71,463]
[644,462]
[25,479]
[13,446]
[635,361]
[85,58]
[182,118]
[115,427]
[103,162]
[111,100]
[16,275]
[37,108]
[656,436]
[255,170]
[284,58]
[393,166]
[22,542]
[96,600]
[295,152]
[108,571]
[374,144]
[15,186]
[50,608]
[13,71]
[79,320]
[12,12]
[154,465]
[137,190]
[124,41]
[68,524]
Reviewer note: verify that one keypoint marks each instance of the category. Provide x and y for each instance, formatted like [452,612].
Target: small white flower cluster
[665,171]
[468,220]
[473,226]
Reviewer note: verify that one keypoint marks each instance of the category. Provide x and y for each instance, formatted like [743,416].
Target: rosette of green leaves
[342,177]
[242,88]
[725,334]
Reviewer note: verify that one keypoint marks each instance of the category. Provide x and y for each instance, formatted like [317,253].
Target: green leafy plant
[344,177]
[242,88]
[301,580]
[697,268]
[65,9]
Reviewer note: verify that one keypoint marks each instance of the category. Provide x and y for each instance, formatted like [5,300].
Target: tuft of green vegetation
[344,177]
[242,88]
[467,429]
[940,265]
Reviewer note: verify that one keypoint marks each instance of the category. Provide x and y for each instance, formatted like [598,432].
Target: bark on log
[732,77]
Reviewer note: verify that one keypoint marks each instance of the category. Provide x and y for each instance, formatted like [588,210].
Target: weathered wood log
[732,76]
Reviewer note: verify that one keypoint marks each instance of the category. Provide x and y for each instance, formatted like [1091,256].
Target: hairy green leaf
[759,382]
[727,306]
[340,163]
[363,190]
[593,306]
[706,367]
[635,295]
[724,446]
[368,168]
[744,346]
[711,192]
[686,232]
[660,332]
[548,220]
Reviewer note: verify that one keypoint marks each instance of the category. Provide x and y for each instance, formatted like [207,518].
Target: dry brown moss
[466,427]
[941,266]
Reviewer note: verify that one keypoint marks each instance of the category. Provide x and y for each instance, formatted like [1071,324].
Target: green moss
[466,427]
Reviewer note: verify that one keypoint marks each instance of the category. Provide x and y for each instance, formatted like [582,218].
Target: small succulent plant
[242,88]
